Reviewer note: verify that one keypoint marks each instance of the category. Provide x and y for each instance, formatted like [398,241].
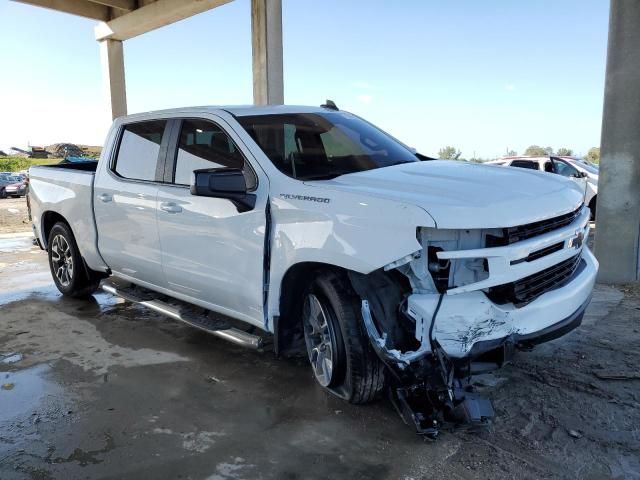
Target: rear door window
[204,145]
[139,150]
[525,164]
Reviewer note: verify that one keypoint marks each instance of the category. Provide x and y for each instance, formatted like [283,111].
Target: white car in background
[577,169]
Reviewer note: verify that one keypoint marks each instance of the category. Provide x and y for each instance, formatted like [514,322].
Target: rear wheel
[67,267]
[341,357]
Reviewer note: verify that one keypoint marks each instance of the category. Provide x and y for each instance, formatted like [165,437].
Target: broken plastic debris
[7,386]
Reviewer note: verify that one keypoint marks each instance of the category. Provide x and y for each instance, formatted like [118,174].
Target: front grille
[516,234]
[543,252]
[527,289]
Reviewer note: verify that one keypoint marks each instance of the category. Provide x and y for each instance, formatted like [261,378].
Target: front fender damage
[429,390]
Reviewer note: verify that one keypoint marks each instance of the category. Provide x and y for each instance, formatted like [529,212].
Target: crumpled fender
[352,231]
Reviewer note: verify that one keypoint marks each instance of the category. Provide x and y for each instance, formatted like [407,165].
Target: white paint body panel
[127,227]
[212,252]
[210,255]
[467,195]
[68,193]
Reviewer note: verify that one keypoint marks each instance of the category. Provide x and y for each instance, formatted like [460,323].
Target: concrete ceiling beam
[81,8]
[152,16]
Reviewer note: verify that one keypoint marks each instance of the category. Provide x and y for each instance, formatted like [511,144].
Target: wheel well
[49,219]
[593,201]
[289,337]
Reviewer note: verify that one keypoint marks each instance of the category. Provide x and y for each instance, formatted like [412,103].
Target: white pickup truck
[311,227]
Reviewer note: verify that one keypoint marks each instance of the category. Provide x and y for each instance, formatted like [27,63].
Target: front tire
[592,206]
[3,193]
[339,351]
[67,267]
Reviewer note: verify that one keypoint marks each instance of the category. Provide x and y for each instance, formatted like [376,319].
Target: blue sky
[483,76]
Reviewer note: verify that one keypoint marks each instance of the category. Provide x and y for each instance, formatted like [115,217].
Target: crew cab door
[125,196]
[567,170]
[211,251]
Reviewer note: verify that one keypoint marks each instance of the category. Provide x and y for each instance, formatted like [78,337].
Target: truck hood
[466,195]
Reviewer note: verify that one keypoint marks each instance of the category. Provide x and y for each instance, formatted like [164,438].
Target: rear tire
[335,337]
[71,276]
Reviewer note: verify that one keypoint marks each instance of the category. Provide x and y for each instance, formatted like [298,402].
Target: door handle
[170,207]
[105,197]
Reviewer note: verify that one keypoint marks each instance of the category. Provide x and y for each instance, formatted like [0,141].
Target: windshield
[315,146]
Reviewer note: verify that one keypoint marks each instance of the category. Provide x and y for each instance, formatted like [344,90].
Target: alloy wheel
[62,260]
[320,339]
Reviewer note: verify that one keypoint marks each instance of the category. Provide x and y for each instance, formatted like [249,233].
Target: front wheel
[341,357]
[67,268]
[592,206]
[3,193]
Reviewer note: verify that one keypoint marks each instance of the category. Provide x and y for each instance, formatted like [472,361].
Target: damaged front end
[463,303]
[425,385]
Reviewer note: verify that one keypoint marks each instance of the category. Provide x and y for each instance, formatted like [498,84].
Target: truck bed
[86,166]
[66,189]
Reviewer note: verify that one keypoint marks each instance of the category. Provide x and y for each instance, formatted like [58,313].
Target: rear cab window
[525,164]
[139,150]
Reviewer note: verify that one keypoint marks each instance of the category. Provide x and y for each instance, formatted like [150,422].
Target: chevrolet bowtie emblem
[577,241]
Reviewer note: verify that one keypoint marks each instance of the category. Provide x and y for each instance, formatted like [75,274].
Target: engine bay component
[429,391]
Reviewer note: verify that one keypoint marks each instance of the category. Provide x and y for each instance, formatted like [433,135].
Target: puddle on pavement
[27,392]
[9,358]
[49,292]
[19,244]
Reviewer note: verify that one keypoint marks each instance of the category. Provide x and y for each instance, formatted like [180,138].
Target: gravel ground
[106,389]
[13,215]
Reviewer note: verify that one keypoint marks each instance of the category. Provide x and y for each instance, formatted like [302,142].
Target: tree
[535,151]
[548,150]
[593,155]
[449,153]
[511,153]
[564,152]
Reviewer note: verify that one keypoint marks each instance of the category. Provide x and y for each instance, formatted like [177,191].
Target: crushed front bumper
[469,324]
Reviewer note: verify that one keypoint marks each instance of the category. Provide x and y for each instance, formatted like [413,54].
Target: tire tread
[365,370]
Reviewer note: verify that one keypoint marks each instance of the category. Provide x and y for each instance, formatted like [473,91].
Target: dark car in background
[13,185]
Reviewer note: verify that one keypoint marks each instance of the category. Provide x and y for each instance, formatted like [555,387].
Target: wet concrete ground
[105,389]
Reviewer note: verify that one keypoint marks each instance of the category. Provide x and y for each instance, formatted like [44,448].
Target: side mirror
[223,183]
[580,175]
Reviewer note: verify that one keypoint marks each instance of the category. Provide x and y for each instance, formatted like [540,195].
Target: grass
[17,164]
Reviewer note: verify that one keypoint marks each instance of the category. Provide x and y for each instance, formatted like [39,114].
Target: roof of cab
[237,110]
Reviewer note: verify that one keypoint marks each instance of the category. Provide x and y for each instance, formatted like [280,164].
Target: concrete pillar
[112,56]
[266,41]
[618,212]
